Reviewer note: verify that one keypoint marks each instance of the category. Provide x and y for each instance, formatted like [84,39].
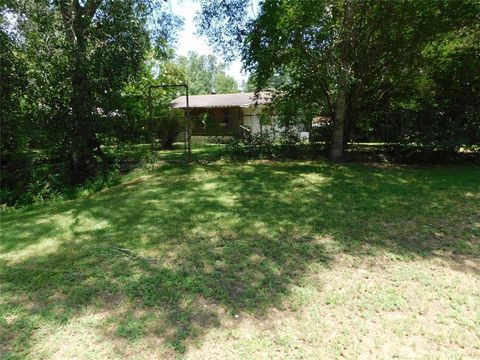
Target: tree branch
[91,7]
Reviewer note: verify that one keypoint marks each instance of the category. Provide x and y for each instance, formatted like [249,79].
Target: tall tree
[205,74]
[87,52]
[344,56]
[225,84]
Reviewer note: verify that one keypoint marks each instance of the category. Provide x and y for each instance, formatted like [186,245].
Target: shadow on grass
[189,245]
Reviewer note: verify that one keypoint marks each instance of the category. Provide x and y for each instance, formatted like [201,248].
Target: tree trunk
[341,104]
[337,145]
[83,138]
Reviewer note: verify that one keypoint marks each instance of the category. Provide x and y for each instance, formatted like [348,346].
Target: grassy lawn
[249,260]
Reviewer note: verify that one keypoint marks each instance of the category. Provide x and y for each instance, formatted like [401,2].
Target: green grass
[253,260]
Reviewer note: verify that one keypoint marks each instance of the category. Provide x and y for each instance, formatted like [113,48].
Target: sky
[188,40]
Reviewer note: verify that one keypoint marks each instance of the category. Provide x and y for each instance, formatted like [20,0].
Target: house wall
[251,119]
[248,117]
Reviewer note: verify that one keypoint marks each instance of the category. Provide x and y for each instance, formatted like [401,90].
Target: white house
[223,114]
[226,114]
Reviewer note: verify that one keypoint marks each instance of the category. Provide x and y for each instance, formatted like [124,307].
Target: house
[224,114]
[230,114]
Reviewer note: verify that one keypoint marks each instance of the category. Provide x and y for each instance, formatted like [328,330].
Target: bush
[267,145]
[430,130]
[166,130]
[256,146]
[36,179]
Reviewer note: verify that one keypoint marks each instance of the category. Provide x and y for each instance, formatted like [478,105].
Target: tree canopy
[73,60]
[348,58]
[66,67]
[205,74]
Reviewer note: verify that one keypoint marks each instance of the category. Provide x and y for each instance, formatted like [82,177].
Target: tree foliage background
[69,73]
[400,71]
[75,74]
[205,74]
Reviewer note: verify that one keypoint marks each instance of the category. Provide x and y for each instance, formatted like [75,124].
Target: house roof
[221,100]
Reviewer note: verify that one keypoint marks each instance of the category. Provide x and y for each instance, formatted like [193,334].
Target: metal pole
[189,142]
[151,115]
[186,134]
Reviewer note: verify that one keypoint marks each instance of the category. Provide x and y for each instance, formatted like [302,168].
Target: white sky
[188,40]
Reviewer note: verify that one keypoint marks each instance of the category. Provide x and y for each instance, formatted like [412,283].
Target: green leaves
[385,57]
[64,74]
[205,74]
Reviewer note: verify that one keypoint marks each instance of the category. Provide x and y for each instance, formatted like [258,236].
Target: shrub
[254,146]
[166,130]
[267,145]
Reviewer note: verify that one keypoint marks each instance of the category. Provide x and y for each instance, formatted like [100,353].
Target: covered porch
[219,121]
[223,114]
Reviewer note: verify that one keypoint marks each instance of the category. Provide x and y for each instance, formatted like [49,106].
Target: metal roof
[221,100]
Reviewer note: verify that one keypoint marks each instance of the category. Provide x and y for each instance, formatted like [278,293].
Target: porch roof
[221,100]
